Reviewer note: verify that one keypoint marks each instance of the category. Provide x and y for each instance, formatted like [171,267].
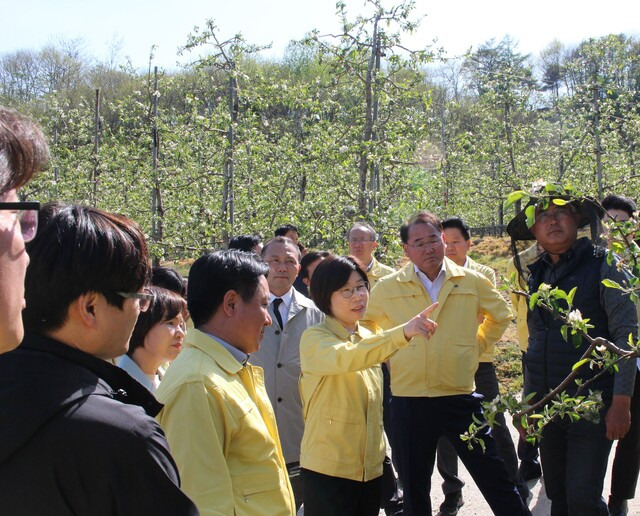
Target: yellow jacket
[378,271]
[490,274]
[222,432]
[341,390]
[520,303]
[446,364]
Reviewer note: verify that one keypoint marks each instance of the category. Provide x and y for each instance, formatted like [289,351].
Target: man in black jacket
[77,435]
[574,453]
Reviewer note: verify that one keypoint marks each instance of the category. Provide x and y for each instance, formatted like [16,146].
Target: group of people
[292,373]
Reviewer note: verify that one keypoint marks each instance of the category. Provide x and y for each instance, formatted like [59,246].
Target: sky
[456,25]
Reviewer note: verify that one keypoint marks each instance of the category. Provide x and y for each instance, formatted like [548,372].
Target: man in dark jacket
[77,434]
[574,454]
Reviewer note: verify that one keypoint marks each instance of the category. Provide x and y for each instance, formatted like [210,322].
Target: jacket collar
[211,347]
[339,330]
[123,387]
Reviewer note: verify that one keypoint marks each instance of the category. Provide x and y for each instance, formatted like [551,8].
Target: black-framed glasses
[348,292]
[27,217]
[144,298]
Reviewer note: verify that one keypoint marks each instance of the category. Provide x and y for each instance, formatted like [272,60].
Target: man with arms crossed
[217,414]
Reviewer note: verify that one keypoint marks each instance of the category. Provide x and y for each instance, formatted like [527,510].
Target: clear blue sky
[457,25]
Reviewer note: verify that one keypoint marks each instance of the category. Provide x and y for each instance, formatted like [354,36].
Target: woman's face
[164,340]
[349,310]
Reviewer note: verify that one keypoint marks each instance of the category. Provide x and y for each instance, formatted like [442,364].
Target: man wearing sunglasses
[23,151]
[77,434]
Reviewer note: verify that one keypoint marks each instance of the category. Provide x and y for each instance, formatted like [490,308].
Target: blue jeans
[574,462]
[419,423]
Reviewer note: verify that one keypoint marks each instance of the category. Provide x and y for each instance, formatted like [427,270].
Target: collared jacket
[446,364]
[77,436]
[550,358]
[341,388]
[490,274]
[377,271]
[279,357]
[222,432]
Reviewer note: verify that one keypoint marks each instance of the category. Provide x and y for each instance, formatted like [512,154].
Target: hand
[421,324]
[618,418]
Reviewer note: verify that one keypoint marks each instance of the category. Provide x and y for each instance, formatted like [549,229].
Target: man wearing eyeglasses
[23,151]
[433,382]
[78,434]
[363,241]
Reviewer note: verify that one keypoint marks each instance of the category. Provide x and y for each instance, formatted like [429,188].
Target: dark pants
[527,452]
[487,385]
[419,423]
[293,469]
[391,491]
[325,495]
[626,464]
[574,462]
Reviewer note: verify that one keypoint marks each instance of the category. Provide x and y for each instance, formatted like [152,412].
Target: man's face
[284,267]
[292,235]
[556,228]
[457,246]
[362,244]
[13,265]
[618,216]
[253,317]
[425,248]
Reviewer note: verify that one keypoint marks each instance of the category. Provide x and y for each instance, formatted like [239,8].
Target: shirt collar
[240,356]
[286,299]
[423,277]
[466,263]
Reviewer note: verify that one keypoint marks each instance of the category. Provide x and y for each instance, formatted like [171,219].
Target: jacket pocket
[335,435]
[260,490]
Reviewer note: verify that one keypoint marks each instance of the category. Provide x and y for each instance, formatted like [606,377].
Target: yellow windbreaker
[445,364]
[222,433]
[341,390]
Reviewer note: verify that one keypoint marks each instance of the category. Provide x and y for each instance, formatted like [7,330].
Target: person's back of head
[80,250]
[168,278]
[246,243]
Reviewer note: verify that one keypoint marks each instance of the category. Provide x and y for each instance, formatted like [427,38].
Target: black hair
[23,150]
[169,278]
[330,275]
[308,259]
[80,249]
[245,243]
[364,225]
[281,240]
[214,274]
[617,202]
[284,229]
[166,305]
[422,217]
[457,223]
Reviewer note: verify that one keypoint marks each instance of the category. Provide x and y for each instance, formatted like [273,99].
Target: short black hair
[80,249]
[330,275]
[308,259]
[422,217]
[457,223]
[166,305]
[214,274]
[284,229]
[281,240]
[618,202]
[245,243]
[23,149]
[169,278]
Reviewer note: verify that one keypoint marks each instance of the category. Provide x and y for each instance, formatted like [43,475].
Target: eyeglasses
[27,217]
[355,241]
[144,298]
[546,216]
[349,291]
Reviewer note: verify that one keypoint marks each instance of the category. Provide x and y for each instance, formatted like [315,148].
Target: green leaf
[563,332]
[513,197]
[570,296]
[560,202]
[576,339]
[530,212]
[533,300]
[611,284]
[579,364]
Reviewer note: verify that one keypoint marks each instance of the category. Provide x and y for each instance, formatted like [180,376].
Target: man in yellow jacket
[432,382]
[363,241]
[217,416]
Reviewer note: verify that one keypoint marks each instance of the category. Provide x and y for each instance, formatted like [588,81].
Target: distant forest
[342,128]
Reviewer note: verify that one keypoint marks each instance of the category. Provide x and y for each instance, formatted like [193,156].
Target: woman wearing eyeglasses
[341,388]
[23,151]
[157,337]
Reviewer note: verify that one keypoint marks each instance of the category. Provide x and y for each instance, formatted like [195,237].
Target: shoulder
[304,302]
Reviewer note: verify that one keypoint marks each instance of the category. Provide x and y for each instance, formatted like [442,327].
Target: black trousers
[626,464]
[325,495]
